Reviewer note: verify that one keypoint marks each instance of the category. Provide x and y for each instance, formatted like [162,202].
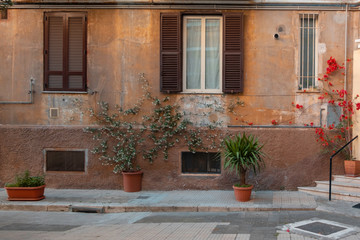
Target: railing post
[330,176]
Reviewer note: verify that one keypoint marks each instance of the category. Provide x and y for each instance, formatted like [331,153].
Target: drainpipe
[346,36]
[31,92]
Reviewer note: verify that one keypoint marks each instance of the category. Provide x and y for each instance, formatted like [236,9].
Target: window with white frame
[202,66]
[307,54]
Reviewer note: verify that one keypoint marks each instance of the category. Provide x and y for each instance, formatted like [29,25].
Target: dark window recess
[65,51]
[200,162]
[65,161]
[3,13]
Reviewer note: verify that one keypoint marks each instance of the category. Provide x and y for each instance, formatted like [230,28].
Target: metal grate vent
[322,229]
[54,112]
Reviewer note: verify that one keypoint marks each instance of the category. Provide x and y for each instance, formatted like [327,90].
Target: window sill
[65,172]
[200,174]
[203,93]
[64,92]
[308,91]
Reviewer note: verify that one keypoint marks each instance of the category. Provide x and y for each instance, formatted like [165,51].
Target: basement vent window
[73,161]
[3,14]
[200,163]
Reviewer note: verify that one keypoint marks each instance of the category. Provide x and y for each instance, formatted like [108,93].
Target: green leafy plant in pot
[243,153]
[26,188]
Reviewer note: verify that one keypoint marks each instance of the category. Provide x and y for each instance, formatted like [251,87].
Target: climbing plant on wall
[149,128]
[5,4]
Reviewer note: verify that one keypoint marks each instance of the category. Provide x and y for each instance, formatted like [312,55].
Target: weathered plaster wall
[125,42]
[287,165]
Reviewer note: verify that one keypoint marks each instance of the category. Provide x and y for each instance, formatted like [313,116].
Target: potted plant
[26,188]
[241,154]
[352,168]
[118,143]
[124,161]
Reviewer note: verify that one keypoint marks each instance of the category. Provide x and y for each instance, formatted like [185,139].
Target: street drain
[357,205]
[143,197]
[320,228]
[88,209]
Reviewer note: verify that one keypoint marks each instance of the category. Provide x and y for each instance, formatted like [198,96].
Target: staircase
[342,188]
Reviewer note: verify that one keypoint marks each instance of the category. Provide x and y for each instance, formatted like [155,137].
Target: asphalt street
[169,225]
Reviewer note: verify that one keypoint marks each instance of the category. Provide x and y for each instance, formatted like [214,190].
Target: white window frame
[301,84]
[202,84]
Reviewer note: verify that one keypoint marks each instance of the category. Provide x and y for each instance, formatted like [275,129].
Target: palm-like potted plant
[241,154]
[26,188]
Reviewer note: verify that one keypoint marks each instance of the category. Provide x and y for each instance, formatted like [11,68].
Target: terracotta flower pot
[242,194]
[352,168]
[132,181]
[25,193]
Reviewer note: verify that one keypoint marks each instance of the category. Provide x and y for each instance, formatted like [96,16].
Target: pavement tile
[242,237]
[163,201]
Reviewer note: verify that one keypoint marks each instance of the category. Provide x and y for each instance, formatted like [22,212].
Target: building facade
[243,65]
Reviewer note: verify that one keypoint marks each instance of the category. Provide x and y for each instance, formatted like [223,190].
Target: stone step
[343,178]
[340,186]
[335,194]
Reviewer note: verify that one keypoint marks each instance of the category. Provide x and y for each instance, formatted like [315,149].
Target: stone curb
[120,209]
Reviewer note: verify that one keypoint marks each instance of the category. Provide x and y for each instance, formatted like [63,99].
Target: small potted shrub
[241,154]
[26,188]
[352,168]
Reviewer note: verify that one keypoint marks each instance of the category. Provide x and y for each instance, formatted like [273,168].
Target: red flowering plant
[331,91]
[334,136]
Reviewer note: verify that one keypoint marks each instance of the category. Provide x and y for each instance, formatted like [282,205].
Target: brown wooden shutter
[54,51]
[170,53]
[233,53]
[76,68]
[65,51]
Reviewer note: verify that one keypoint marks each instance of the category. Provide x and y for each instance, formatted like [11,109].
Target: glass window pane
[193,54]
[212,53]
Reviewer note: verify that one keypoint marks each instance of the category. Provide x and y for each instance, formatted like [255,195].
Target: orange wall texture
[122,43]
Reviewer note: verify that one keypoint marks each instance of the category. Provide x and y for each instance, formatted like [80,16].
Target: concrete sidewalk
[110,201]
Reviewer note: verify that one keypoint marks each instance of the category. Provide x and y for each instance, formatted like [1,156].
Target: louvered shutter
[65,52]
[170,53]
[233,53]
[54,51]
[76,54]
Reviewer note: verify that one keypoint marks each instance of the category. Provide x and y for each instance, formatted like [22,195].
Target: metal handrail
[330,175]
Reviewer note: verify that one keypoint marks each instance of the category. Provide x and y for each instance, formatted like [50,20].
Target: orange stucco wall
[125,42]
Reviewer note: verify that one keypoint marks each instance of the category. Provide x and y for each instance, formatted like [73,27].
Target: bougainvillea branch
[333,136]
